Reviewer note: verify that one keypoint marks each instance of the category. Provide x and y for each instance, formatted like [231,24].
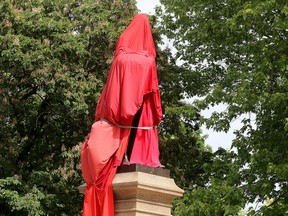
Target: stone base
[142,191]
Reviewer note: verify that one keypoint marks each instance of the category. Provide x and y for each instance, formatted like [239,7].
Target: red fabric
[138,36]
[133,75]
[145,150]
[101,154]
[132,81]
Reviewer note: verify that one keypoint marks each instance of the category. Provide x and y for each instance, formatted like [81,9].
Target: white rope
[123,126]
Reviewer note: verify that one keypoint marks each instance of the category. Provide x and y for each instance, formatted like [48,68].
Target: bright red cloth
[101,154]
[145,150]
[138,36]
[132,83]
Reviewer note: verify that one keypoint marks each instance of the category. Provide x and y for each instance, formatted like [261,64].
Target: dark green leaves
[239,49]
[54,58]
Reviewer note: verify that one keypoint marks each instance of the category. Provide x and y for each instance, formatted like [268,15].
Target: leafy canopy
[239,51]
[55,56]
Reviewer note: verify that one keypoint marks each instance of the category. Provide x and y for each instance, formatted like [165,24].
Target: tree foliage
[55,57]
[201,173]
[239,51]
[182,148]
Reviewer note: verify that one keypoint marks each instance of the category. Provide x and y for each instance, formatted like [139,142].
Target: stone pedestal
[142,191]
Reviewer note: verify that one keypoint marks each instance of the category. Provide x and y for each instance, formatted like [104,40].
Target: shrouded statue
[127,113]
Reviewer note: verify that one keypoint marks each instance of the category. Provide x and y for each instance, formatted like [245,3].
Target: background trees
[55,56]
[239,51]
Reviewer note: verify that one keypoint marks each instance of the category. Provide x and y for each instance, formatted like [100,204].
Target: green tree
[55,56]
[182,147]
[209,190]
[239,51]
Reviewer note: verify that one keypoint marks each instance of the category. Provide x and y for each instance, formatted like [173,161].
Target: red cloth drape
[101,154]
[145,150]
[132,83]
